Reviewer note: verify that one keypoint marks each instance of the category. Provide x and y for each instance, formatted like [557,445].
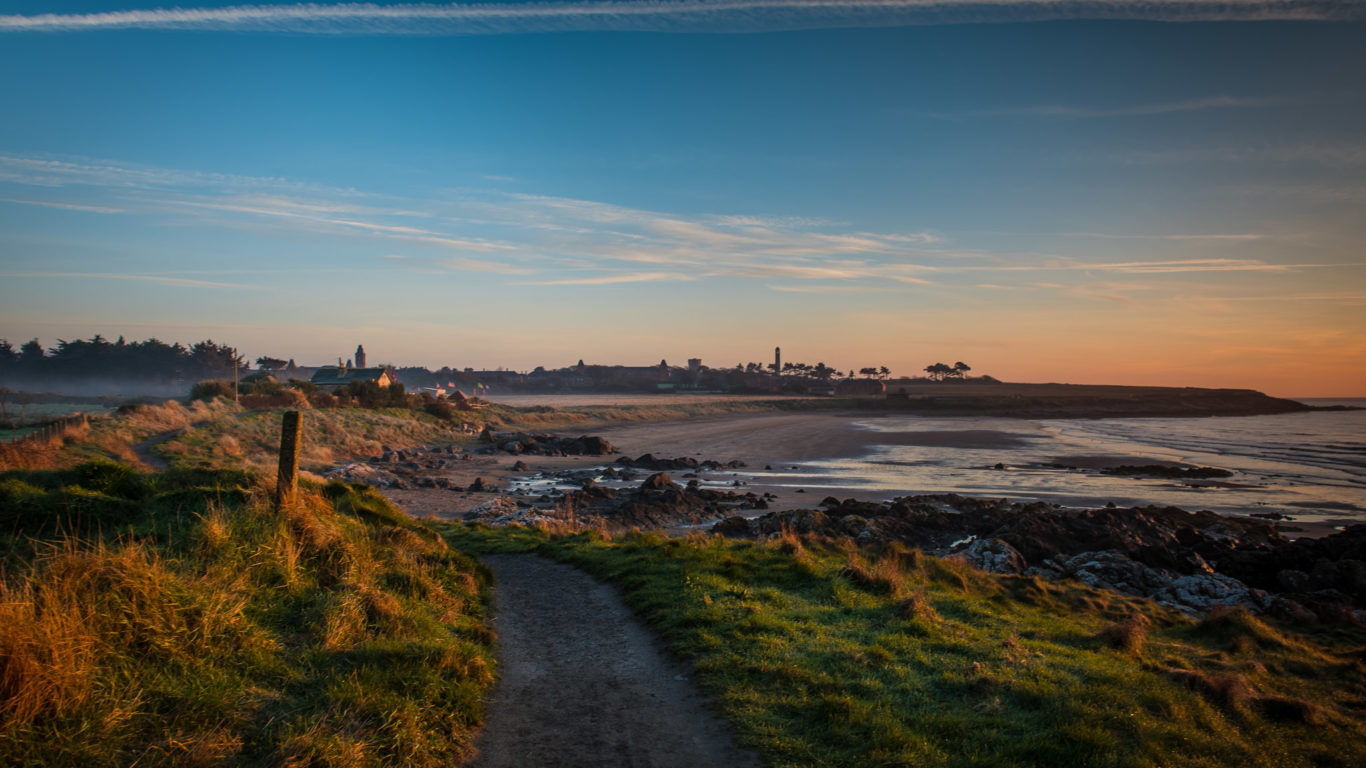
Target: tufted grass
[176,619]
[824,655]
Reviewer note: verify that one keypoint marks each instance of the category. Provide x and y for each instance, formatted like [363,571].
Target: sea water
[1310,466]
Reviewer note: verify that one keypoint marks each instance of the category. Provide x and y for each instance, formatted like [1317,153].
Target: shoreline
[774,447]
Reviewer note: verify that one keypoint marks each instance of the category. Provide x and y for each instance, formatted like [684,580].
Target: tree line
[152,361]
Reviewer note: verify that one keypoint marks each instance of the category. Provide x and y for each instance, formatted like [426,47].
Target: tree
[884,372]
[270,363]
[869,372]
[938,371]
[31,354]
[960,369]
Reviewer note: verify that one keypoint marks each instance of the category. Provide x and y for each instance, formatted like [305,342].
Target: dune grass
[175,619]
[333,436]
[824,654]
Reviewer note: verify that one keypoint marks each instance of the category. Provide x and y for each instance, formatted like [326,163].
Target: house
[332,378]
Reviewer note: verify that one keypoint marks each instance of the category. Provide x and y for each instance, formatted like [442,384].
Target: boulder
[992,555]
[1201,592]
[660,481]
[1114,571]
[733,526]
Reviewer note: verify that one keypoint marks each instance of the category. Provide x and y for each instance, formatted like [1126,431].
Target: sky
[1168,192]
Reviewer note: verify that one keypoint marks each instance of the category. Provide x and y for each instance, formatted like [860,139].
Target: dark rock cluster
[1165,471]
[405,469]
[656,464]
[658,502]
[519,443]
[1192,561]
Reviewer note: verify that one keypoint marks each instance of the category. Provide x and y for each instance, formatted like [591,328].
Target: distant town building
[330,379]
[360,356]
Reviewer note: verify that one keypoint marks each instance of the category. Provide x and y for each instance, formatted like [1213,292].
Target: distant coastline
[1006,400]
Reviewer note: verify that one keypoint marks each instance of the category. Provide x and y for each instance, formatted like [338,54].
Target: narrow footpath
[583,683]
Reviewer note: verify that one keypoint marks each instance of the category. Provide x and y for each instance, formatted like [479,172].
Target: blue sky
[1118,195]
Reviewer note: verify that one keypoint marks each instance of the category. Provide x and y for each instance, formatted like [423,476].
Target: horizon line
[669,16]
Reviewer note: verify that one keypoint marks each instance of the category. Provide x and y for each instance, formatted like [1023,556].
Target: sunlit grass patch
[178,619]
[822,653]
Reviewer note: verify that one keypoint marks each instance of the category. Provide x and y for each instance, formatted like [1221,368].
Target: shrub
[211,389]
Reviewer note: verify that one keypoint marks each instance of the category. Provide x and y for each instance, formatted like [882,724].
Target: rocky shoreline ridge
[1190,561]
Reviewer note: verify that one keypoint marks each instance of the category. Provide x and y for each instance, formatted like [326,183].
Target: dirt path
[143,450]
[582,683]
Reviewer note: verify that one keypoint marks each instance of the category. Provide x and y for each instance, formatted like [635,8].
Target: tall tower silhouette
[360,356]
[777,359]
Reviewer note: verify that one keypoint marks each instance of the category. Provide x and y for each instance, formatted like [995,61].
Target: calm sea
[1311,466]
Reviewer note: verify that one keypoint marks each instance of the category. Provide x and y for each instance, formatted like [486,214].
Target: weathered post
[288,482]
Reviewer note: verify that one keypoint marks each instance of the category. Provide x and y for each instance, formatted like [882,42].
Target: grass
[251,439]
[823,654]
[175,619]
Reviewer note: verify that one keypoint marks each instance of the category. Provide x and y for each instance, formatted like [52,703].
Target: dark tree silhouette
[938,371]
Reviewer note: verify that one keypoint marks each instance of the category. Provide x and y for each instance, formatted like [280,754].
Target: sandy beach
[801,458]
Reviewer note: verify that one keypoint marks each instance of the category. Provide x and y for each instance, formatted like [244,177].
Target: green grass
[824,655]
[175,619]
[330,437]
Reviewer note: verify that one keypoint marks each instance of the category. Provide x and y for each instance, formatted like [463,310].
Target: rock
[520,466]
[733,526]
[1291,580]
[594,446]
[651,462]
[1165,471]
[992,555]
[659,481]
[1201,592]
[478,485]
[853,525]
[1114,571]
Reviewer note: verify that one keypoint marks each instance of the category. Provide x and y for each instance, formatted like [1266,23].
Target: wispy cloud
[175,282]
[561,241]
[637,277]
[1060,111]
[457,264]
[735,16]
[1336,155]
[1193,265]
[1241,237]
[65,206]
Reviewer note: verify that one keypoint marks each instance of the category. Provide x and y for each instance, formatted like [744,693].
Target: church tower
[777,359]
[360,356]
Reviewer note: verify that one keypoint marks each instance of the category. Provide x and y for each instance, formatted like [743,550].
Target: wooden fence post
[290,429]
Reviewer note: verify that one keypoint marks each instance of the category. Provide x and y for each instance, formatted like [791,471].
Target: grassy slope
[824,655]
[251,438]
[175,619]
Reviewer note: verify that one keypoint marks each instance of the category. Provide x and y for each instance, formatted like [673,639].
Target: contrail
[681,16]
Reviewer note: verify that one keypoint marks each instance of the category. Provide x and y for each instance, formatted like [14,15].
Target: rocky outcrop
[524,443]
[658,502]
[993,556]
[1166,471]
[657,464]
[1191,561]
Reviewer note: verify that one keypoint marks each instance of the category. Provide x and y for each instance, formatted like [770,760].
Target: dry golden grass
[1128,635]
[882,574]
[336,631]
